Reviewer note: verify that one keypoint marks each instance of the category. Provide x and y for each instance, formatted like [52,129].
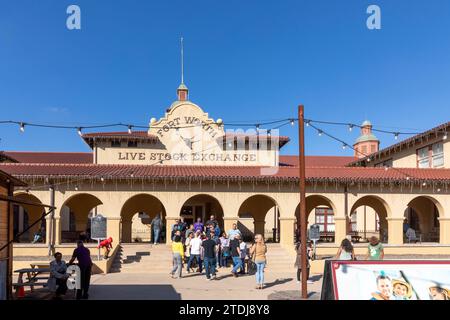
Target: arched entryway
[422,215]
[136,216]
[319,210]
[253,214]
[368,217]
[202,206]
[75,216]
[25,215]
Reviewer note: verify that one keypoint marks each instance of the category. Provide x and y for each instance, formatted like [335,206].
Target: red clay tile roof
[50,157]
[432,133]
[320,174]
[6,176]
[317,161]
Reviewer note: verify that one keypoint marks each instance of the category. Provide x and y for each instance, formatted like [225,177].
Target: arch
[368,217]
[255,209]
[24,215]
[202,206]
[422,214]
[78,207]
[326,210]
[136,227]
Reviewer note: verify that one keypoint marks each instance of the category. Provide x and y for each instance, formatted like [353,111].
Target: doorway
[191,213]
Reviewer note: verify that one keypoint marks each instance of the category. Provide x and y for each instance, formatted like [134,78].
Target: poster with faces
[391,280]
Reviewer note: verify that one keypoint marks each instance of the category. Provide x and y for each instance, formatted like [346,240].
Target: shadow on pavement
[133,292]
[276,282]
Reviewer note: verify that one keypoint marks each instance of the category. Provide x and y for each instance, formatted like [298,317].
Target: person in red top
[107,246]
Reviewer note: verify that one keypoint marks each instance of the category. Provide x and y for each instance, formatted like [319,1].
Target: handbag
[251,267]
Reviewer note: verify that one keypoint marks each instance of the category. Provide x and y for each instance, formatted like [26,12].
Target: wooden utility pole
[302,223]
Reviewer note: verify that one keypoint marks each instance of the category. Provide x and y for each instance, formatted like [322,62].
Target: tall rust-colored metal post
[302,176]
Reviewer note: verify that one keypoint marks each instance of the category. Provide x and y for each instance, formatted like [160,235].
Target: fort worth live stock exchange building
[189,165]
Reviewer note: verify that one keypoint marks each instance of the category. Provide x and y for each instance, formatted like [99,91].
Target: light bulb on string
[22,127]
[257,127]
[307,122]
[269,134]
[350,127]
[79,131]
[344,146]
[292,122]
[319,132]
[396,136]
[445,135]
[129,129]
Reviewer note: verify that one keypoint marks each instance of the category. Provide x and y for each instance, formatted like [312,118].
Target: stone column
[126,231]
[228,223]
[444,230]
[340,229]
[57,230]
[287,232]
[259,227]
[48,232]
[113,229]
[170,221]
[395,230]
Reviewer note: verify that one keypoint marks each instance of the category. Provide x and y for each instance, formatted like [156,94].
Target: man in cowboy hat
[401,289]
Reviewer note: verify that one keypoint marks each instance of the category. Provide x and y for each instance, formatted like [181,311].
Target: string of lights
[130,127]
[345,145]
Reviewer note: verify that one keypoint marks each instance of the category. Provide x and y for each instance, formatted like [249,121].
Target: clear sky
[245,61]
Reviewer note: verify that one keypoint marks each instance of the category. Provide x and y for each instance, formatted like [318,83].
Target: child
[375,249]
[401,290]
[107,246]
[298,261]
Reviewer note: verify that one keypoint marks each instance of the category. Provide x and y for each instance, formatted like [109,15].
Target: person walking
[258,253]
[236,255]
[156,228]
[187,247]
[243,254]
[196,244]
[298,261]
[224,250]
[83,256]
[375,250]
[178,256]
[210,249]
[212,222]
[346,251]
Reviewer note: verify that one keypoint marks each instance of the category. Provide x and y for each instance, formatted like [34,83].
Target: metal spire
[182,62]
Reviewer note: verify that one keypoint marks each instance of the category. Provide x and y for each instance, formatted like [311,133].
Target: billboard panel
[391,280]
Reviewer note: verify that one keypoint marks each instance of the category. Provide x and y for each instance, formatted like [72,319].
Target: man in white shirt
[196,244]
[233,232]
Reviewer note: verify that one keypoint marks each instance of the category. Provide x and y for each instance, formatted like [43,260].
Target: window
[387,163]
[431,156]
[132,144]
[354,221]
[325,219]
[115,144]
[438,155]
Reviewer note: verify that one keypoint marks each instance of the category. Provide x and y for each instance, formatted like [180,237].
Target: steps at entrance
[148,258]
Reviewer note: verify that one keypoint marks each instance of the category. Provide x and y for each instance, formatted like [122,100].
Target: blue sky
[246,61]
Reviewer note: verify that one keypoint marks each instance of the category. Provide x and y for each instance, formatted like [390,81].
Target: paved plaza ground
[195,286]
[145,286]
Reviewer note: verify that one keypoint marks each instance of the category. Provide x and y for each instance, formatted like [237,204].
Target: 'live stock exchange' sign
[148,156]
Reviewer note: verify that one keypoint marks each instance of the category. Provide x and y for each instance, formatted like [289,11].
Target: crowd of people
[205,247]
